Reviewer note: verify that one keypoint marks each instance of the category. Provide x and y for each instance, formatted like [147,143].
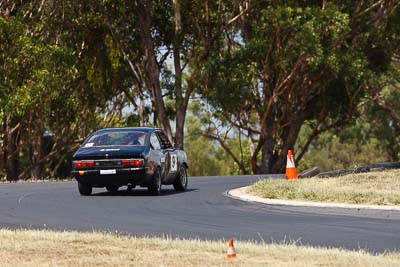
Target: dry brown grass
[46,248]
[377,188]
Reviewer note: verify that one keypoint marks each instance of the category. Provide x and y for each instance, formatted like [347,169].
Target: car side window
[155,144]
[165,143]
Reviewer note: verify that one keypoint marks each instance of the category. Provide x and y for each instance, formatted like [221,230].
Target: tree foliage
[291,62]
[270,76]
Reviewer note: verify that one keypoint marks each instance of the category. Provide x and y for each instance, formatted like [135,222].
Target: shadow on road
[142,192]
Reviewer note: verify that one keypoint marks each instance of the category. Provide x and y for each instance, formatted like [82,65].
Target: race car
[131,156]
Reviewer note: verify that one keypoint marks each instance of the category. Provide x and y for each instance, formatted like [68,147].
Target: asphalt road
[204,212]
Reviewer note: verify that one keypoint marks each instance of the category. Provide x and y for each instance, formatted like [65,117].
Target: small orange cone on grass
[231,254]
[291,173]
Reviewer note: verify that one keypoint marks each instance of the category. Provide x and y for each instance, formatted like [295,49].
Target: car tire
[84,190]
[130,187]
[181,181]
[112,188]
[155,184]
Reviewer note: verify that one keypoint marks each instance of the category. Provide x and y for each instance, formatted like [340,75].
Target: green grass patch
[375,188]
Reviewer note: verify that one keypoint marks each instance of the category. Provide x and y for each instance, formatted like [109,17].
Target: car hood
[109,152]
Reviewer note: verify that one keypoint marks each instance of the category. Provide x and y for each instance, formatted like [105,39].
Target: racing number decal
[174,163]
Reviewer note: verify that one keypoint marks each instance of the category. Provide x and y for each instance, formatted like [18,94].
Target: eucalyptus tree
[288,62]
[152,25]
[183,32]
[60,78]
[33,74]
[384,82]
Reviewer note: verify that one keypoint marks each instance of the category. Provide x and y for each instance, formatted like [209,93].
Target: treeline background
[236,83]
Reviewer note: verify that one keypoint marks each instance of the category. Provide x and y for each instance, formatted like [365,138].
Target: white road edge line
[240,193]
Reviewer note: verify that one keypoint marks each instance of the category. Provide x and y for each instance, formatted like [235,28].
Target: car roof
[139,129]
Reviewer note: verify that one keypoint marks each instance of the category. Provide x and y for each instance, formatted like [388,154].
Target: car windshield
[116,138]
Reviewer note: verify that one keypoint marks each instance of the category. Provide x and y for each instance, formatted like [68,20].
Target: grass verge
[374,188]
[47,248]
[3,180]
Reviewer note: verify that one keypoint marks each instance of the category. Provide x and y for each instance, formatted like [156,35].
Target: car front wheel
[181,180]
[155,184]
[84,190]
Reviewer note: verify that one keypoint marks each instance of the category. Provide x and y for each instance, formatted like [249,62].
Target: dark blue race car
[139,156]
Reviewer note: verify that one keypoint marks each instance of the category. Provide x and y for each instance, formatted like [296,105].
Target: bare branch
[164,57]
[386,7]
[383,105]
[242,12]
[227,149]
[374,5]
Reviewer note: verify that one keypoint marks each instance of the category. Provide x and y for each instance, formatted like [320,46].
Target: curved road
[204,212]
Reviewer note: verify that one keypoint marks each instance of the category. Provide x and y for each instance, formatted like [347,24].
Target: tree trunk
[141,111]
[289,141]
[268,155]
[37,155]
[276,145]
[12,155]
[179,101]
[266,145]
[11,138]
[152,71]
[4,144]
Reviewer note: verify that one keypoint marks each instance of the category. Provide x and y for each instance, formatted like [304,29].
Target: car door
[171,158]
[156,153]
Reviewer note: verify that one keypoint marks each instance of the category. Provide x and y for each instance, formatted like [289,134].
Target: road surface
[204,212]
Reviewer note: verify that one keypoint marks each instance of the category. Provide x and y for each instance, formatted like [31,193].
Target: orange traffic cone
[231,250]
[291,173]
